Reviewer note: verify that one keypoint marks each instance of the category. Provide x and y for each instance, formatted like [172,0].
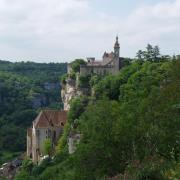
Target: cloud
[37,29]
[66,29]
[159,23]
[26,25]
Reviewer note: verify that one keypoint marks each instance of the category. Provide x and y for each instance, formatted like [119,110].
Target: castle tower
[116,47]
[116,56]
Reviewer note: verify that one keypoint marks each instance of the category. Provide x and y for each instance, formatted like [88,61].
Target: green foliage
[27,165]
[72,75]
[84,81]
[75,65]
[145,124]
[126,62]
[38,72]
[30,171]
[173,172]
[78,106]
[12,138]
[131,128]
[151,54]
[63,79]
[7,156]
[97,154]
[24,88]
[38,169]
[62,143]
[23,175]
[26,169]
[110,85]
[47,147]
[150,168]
[94,80]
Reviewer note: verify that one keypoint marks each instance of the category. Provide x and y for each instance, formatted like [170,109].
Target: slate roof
[50,118]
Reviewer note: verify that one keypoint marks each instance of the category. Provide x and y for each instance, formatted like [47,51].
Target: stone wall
[36,142]
[112,68]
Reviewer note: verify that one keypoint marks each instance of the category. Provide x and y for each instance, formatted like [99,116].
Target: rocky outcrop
[10,169]
[68,92]
[73,140]
[71,90]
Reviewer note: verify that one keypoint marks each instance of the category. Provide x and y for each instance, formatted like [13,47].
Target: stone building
[110,63]
[47,125]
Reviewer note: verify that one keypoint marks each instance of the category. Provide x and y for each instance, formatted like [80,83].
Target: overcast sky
[62,30]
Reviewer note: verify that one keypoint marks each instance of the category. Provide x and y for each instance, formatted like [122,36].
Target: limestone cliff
[71,89]
[68,92]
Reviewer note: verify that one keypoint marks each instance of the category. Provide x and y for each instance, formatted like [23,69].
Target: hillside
[25,88]
[129,126]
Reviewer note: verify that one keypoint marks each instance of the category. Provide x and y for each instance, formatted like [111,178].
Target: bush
[78,106]
[63,79]
[84,81]
[75,65]
[38,169]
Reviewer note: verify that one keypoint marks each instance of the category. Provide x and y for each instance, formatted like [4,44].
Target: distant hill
[25,88]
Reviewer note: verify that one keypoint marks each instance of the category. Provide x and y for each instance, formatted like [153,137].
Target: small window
[54,135]
[38,132]
[62,124]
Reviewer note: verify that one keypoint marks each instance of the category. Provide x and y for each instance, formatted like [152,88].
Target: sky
[63,30]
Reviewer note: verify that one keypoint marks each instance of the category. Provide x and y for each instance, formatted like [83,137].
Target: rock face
[71,90]
[68,92]
[73,140]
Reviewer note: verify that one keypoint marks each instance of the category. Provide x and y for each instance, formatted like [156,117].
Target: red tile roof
[49,118]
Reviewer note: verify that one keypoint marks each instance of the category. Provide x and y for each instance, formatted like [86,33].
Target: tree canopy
[129,127]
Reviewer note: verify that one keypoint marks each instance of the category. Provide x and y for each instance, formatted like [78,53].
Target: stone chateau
[110,63]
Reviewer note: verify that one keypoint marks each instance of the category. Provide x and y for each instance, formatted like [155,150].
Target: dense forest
[129,125]
[25,88]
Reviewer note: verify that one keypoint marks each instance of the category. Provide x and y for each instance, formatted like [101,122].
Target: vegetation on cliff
[129,126]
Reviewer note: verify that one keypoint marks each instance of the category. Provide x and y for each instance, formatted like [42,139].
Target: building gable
[50,118]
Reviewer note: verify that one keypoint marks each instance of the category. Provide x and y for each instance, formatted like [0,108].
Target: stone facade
[48,125]
[110,63]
